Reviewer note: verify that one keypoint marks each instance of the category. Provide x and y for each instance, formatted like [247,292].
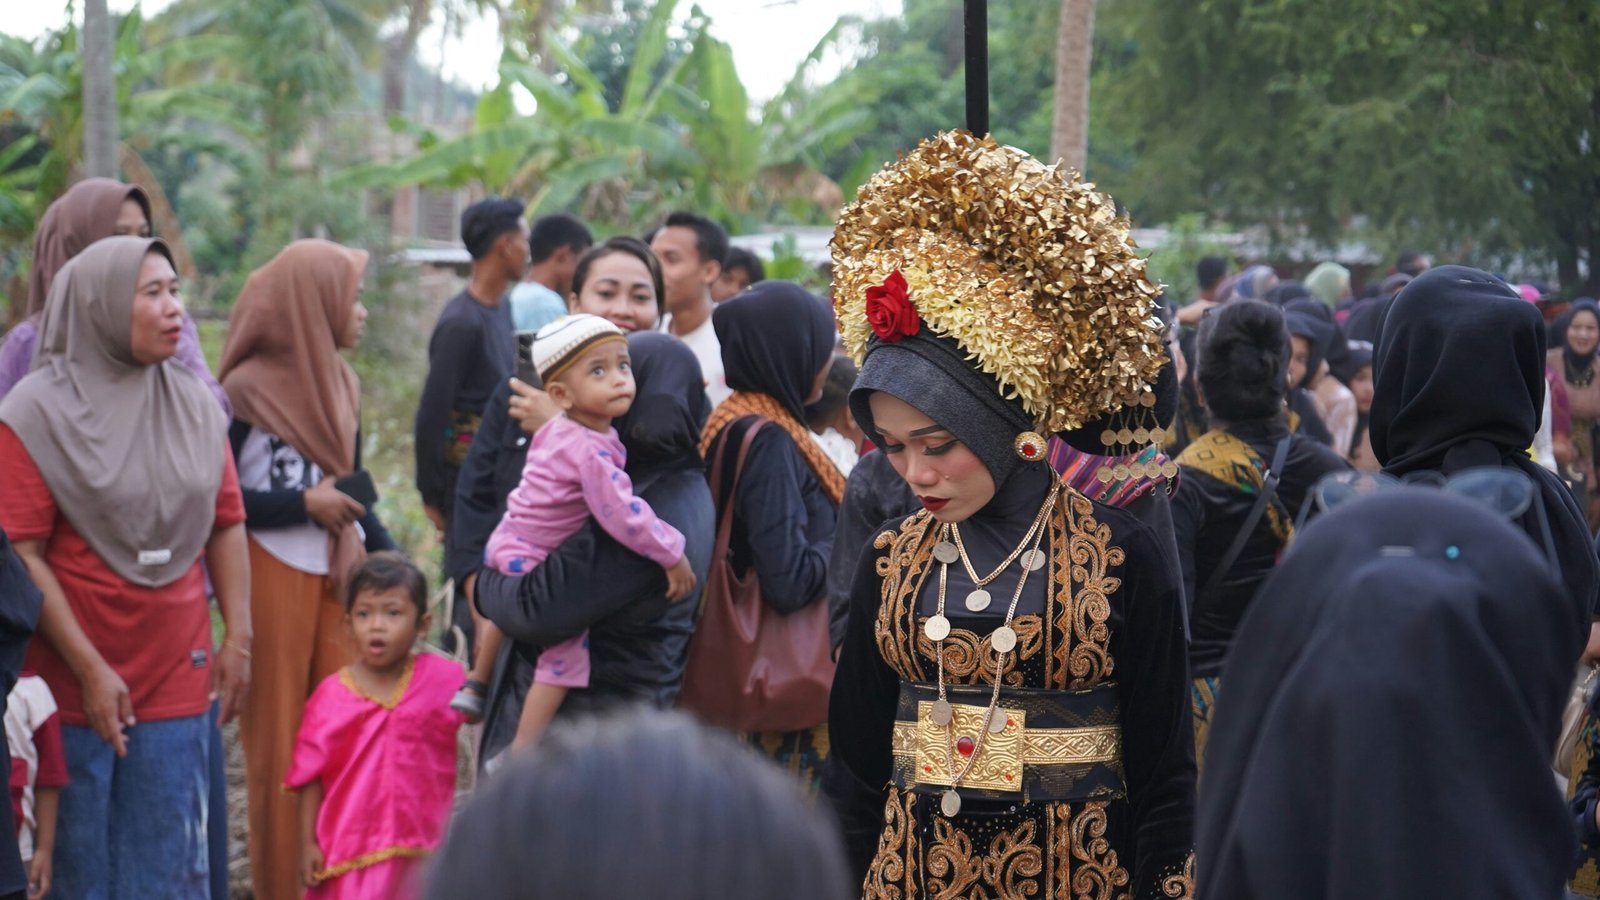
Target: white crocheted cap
[560,343]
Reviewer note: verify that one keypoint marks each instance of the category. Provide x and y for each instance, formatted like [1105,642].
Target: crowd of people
[1001,574]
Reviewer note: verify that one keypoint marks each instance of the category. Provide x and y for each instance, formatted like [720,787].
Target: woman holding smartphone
[308,509]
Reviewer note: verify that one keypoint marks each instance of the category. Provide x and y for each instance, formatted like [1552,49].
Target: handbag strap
[724,504]
[1269,488]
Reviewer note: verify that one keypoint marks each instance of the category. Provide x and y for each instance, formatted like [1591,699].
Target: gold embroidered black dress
[1088,792]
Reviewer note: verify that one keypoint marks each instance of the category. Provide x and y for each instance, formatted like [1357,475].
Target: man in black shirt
[472,350]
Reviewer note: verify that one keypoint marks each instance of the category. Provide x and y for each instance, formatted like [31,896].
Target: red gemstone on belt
[965,746]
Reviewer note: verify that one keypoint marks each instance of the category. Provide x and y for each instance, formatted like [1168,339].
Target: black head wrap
[1318,334]
[933,374]
[662,429]
[1284,292]
[775,338]
[486,220]
[1458,381]
[1385,724]
[1358,356]
[1576,362]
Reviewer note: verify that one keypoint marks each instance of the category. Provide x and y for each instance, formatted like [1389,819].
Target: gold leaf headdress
[1027,268]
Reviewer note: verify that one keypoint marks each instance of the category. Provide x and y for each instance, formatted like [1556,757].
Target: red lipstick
[934,504]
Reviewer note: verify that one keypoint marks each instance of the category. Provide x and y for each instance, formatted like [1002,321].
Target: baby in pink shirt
[574,471]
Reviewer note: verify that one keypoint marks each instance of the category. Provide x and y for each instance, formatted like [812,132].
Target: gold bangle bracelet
[239,647]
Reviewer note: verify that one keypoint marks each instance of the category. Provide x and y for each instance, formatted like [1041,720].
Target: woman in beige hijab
[114,480]
[296,437]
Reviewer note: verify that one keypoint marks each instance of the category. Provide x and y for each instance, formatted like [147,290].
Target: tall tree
[1469,128]
[1069,132]
[99,93]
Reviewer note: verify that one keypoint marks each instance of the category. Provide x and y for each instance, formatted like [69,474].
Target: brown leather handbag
[752,668]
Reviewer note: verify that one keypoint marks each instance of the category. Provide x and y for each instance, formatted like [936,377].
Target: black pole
[976,27]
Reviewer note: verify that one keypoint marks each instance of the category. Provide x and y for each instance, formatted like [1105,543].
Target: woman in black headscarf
[1458,374]
[637,640]
[1392,701]
[777,347]
[1010,716]
[1242,363]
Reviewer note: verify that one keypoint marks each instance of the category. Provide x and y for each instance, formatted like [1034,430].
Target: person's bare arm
[312,861]
[106,701]
[46,802]
[228,561]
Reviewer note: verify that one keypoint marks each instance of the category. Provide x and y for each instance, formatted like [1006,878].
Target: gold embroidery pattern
[1059,818]
[969,658]
[1014,863]
[1180,884]
[1058,602]
[952,868]
[902,569]
[1098,874]
[1090,550]
[892,873]
[1008,871]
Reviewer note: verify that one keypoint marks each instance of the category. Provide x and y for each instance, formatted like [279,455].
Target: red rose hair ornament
[889,309]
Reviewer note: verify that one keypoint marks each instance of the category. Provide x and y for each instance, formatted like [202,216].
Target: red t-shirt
[157,639]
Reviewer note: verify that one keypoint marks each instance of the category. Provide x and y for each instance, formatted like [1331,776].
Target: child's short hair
[386,571]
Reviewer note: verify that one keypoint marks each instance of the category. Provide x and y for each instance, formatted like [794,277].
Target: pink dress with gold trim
[388,772]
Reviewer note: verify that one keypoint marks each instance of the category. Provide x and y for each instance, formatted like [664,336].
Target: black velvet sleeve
[1152,675]
[589,577]
[861,714]
[455,344]
[478,504]
[791,564]
[267,509]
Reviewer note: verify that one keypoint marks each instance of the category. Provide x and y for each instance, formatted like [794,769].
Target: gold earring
[1030,446]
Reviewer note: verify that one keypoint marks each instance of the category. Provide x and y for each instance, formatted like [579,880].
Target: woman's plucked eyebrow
[935,428]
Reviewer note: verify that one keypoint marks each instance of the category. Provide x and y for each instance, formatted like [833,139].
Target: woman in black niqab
[1458,378]
[1392,701]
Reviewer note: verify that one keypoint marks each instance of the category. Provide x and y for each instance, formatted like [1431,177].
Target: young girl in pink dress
[375,760]
[574,470]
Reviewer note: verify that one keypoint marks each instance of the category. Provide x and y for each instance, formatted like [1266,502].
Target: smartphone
[358,486]
[525,370]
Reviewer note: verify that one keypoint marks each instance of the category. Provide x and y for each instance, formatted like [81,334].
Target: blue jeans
[217,816]
[136,826]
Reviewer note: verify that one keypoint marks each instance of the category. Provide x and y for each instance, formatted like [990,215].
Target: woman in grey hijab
[115,479]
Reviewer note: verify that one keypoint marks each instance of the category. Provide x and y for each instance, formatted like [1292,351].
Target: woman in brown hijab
[296,437]
[92,209]
[114,480]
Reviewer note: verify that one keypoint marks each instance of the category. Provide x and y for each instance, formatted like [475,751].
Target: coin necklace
[979,599]
[1003,640]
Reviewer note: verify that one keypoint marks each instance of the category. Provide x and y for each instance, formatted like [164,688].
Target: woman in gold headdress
[1010,716]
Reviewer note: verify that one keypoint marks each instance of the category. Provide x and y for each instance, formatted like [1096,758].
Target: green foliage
[1466,127]
[1188,240]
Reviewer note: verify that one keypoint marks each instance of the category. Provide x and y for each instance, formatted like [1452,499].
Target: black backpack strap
[1269,489]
